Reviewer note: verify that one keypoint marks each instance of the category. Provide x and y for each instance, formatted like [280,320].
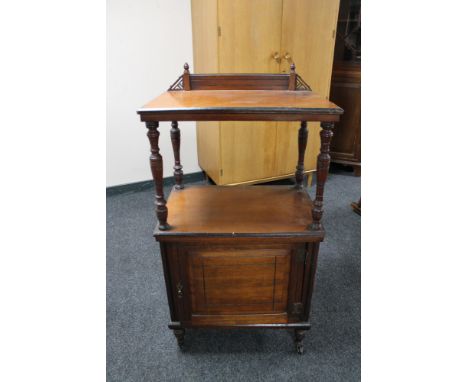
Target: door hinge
[221,172]
[219,31]
[333,33]
[297,308]
[301,256]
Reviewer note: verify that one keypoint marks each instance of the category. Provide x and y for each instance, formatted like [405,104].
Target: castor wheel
[299,337]
[179,334]
[300,348]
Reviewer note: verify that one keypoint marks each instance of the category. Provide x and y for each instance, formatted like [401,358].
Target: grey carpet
[140,347]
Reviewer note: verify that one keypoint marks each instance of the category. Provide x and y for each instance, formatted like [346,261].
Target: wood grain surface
[239,210]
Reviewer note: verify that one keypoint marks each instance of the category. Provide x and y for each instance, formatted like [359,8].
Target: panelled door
[229,282]
[250,32]
[226,284]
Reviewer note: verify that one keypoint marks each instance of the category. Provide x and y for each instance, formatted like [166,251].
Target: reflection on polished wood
[279,105]
[239,210]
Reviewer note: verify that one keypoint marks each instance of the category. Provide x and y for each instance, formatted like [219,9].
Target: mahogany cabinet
[346,86]
[346,90]
[241,256]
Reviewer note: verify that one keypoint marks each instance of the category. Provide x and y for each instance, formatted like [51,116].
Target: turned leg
[299,337]
[302,144]
[356,206]
[175,138]
[357,170]
[323,163]
[179,334]
[156,163]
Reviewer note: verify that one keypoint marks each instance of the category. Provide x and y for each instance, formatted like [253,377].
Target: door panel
[308,35]
[250,32]
[287,147]
[248,151]
[232,281]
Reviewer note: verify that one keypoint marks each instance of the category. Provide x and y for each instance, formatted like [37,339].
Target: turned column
[302,144]
[175,138]
[156,163]
[323,163]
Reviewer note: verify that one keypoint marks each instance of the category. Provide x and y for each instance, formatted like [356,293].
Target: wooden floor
[239,210]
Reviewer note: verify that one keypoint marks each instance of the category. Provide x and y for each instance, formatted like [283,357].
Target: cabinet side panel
[309,279]
[346,92]
[296,284]
[165,250]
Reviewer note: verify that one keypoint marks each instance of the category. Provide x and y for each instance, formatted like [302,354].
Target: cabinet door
[308,35]
[249,34]
[246,285]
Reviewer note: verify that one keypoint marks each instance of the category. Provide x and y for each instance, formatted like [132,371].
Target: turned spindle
[156,163]
[292,77]
[302,144]
[186,77]
[175,139]
[323,164]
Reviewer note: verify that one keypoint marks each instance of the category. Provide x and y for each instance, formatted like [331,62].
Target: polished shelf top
[198,105]
[236,211]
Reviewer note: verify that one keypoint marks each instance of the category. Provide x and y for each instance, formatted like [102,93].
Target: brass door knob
[276,56]
[288,57]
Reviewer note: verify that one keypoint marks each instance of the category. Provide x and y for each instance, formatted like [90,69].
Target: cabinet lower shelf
[241,212]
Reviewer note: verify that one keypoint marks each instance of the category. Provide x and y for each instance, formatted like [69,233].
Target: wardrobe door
[205,60]
[249,34]
[308,37]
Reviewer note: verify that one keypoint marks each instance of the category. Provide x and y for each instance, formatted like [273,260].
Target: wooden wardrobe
[261,36]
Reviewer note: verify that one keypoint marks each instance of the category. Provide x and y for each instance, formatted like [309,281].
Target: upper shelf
[240,97]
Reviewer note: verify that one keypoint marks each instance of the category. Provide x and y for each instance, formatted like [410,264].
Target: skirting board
[146,184]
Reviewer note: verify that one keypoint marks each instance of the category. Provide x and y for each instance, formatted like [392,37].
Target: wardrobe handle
[288,57]
[276,57]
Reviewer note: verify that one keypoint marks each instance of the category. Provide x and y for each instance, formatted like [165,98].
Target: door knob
[276,57]
[288,57]
[179,287]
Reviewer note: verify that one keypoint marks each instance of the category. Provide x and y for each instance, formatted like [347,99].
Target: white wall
[148,42]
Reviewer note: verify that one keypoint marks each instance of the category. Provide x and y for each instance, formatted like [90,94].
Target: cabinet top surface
[239,211]
[203,105]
